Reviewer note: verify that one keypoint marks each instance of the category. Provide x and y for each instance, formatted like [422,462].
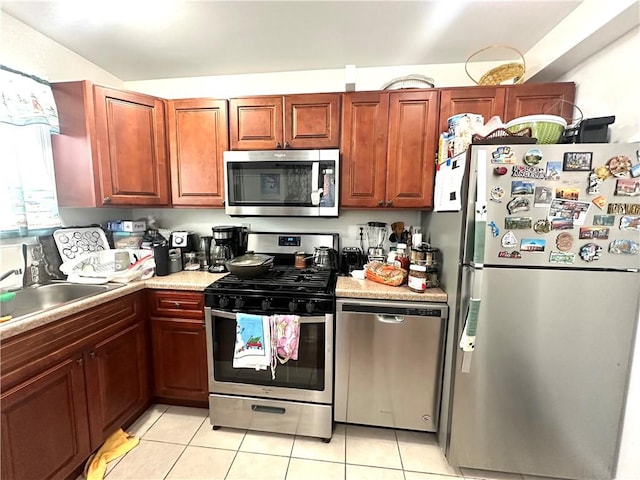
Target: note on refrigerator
[448,185]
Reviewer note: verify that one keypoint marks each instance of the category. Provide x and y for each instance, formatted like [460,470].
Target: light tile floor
[179,443]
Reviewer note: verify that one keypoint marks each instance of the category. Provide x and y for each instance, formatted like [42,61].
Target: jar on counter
[300,260]
[432,277]
[417,281]
[402,260]
[191,262]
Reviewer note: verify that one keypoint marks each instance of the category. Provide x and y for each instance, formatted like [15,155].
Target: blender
[376,235]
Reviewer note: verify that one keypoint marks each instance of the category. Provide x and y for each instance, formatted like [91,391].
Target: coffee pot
[325,258]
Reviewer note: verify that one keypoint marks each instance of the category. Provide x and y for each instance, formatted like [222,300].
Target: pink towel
[285,335]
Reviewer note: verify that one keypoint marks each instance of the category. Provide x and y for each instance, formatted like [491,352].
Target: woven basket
[513,71]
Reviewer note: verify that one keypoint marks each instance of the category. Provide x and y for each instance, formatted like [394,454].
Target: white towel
[253,342]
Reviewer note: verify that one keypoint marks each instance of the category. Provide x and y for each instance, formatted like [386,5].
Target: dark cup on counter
[161,257]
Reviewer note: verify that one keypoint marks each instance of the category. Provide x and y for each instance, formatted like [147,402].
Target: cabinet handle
[79,361]
[278,145]
[92,354]
[176,304]
[389,203]
[380,203]
[106,200]
[286,144]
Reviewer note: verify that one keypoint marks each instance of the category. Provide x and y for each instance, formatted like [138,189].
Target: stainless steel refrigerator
[541,268]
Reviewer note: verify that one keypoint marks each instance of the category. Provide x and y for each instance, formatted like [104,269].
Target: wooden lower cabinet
[68,385]
[179,347]
[45,429]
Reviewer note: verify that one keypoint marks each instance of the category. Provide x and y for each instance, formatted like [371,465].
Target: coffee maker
[228,242]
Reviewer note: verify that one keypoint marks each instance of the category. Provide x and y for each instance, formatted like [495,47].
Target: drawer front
[279,416]
[177,304]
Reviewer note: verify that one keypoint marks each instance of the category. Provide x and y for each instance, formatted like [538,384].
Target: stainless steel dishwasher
[389,358]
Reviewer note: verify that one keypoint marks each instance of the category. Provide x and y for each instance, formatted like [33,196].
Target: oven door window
[306,373]
[271,183]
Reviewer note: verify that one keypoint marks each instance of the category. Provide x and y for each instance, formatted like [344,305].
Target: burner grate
[283,279]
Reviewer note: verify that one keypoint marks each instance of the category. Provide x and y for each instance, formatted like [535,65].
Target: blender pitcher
[376,236]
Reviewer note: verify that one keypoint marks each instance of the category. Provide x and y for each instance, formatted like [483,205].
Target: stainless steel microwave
[300,183]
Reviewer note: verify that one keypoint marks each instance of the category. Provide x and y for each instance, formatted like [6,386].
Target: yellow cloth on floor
[116,445]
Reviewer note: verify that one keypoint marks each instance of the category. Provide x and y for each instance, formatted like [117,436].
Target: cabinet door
[312,121]
[485,101]
[179,359]
[413,125]
[117,381]
[255,123]
[536,98]
[198,136]
[45,432]
[365,118]
[131,148]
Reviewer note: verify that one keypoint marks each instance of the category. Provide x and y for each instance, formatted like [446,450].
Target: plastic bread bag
[386,274]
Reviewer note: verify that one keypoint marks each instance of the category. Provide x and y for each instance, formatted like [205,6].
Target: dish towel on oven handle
[253,342]
[285,337]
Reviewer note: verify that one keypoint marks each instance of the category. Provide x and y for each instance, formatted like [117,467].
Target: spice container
[402,260]
[431,256]
[300,260]
[432,277]
[417,281]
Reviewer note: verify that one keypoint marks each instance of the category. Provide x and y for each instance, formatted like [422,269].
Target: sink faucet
[16,271]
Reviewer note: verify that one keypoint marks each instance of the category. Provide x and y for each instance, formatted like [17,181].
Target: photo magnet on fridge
[552,171]
[577,161]
[563,258]
[624,247]
[595,233]
[532,245]
[542,196]
[605,220]
[628,187]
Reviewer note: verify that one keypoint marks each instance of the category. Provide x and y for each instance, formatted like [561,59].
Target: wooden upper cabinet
[485,101]
[365,117]
[388,147]
[312,121]
[130,129]
[292,121]
[537,98]
[198,136]
[111,149]
[413,120]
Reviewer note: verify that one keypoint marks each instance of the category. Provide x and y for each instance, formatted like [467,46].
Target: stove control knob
[310,306]
[239,303]
[293,305]
[265,304]
[223,302]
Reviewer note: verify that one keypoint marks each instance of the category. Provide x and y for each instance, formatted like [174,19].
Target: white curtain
[28,117]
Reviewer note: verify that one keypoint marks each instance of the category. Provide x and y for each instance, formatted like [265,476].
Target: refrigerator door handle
[468,338]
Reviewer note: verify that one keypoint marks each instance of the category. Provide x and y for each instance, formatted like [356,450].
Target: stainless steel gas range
[299,400]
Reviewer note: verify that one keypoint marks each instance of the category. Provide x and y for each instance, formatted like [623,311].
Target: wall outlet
[364,231]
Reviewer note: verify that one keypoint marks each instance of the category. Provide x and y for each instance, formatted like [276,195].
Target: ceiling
[151,39]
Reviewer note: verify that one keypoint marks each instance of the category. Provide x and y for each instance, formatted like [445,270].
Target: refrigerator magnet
[628,222]
[533,157]
[521,187]
[635,170]
[532,245]
[525,171]
[577,161]
[628,187]
[567,193]
[517,223]
[600,201]
[562,223]
[542,197]
[594,184]
[495,231]
[496,194]
[562,258]
[519,204]
[625,247]
[593,233]
[624,208]
[602,172]
[509,240]
[500,171]
[619,166]
[590,252]
[542,226]
[503,155]
[505,254]
[564,241]
[552,170]
[604,220]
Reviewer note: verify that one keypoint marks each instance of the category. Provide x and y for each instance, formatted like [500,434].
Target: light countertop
[347,287]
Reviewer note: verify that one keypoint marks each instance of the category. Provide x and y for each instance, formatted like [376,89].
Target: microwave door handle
[316,193]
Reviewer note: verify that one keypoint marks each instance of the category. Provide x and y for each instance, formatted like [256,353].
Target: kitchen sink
[37,299]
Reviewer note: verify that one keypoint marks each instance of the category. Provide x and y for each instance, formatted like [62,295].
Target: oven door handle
[232,316]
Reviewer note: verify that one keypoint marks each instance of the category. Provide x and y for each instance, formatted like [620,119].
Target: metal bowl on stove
[250,265]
